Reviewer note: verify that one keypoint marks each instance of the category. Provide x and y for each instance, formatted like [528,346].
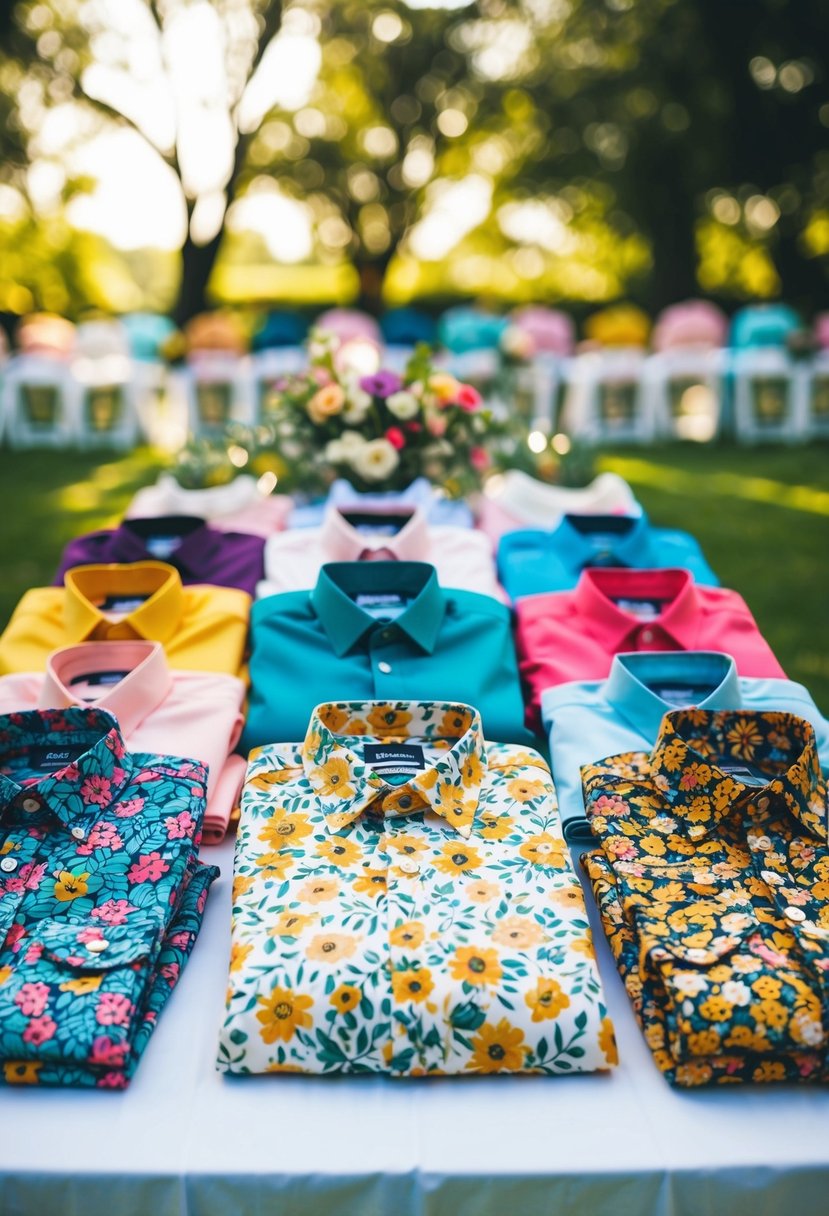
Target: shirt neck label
[370,523]
[383,606]
[395,759]
[162,547]
[51,759]
[641,607]
[681,694]
[121,605]
[747,774]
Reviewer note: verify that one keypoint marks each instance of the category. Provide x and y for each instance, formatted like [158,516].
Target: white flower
[357,405]
[343,450]
[334,451]
[352,441]
[403,404]
[736,992]
[690,983]
[375,460]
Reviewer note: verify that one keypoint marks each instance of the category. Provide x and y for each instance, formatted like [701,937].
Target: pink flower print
[104,1051]
[197,791]
[147,775]
[148,868]
[14,885]
[96,790]
[13,938]
[201,901]
[102,836]
[117,776]
[32,875]
[612,806]
[180,940]
[170,971]
[113,1010]
[33,952]
[71,773]
[114,911]
[181,826]
[32,998]
[115,744]
[128,808]
[620,847]
[39,1030]
[112,1080]
[91,934]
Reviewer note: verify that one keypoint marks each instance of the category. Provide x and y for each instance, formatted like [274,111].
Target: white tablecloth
[184,1140]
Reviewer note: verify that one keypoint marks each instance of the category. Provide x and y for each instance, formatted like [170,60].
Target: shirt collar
[419,493]
[341,542]
[597,589]
[537,501]
[602,540]
[346,623]
[214,502]
[702,790]
[346,785]
[147,682]
[629,686]
[198,542]
[157,618]
[76,793]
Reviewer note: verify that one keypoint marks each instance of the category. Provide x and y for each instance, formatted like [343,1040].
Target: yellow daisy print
[345,998]
[476,965]
[498,1048]
[457,859]
[547,999]
[283,1012]
[413,984]
[333,778]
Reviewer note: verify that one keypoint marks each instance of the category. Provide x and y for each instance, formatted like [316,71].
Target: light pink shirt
[515,500]
[238,506]
[573,635]
[193,714]
[461,556]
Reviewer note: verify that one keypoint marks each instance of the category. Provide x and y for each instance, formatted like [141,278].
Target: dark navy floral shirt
[101,894]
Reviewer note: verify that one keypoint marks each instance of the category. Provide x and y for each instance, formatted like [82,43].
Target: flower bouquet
[380,431]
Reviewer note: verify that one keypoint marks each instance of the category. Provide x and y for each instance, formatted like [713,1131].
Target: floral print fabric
[101,895]
[422,926]
[713,885]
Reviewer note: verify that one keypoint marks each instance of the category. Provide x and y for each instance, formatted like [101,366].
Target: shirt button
[404,801]
[8,865]
[97,946]
[78,833]
[31,805]
[696,831]
[543,849]
[772,878]
[384,667]
[764,844]
[763,804]
[408,865]
[794,913]
[647,635]
[385,635]
[697,956]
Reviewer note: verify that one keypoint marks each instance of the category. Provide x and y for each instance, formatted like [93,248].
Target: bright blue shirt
[532,561]
[421,493]
[375,631]
[590,720]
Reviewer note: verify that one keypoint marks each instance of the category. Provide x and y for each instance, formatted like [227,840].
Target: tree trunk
[197,262]
[372,274]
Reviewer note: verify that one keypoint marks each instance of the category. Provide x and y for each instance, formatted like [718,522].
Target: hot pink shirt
[573,635]
[193,714]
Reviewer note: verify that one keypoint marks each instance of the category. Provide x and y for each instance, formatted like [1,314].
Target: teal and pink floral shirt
[404,903]
[101,894]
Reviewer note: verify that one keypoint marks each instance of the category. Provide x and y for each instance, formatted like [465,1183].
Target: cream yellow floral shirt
[404,903]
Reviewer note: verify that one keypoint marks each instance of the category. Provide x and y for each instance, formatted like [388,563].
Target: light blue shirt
[532,561]
[590,720]
[421,493]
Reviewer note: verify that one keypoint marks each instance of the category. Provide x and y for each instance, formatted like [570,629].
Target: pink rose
[468,398]
[479,459]
[396,437]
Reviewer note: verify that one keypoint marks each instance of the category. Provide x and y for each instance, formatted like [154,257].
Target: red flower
[396,437]
[468,398]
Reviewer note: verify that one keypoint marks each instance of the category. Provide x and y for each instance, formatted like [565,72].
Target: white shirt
[516,500]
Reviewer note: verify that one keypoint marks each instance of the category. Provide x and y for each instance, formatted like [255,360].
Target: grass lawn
[761,515]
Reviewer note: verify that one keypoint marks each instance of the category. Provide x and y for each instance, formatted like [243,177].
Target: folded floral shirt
[193,714]
[404,903]
[573,635]
[201,628]
[712,881]
[201,554]
[101,895]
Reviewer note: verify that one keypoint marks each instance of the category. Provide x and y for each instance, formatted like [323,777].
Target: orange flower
[370,882]
[238,954]
[70,886]
[457,859]
[387,719]
[84,984]
[331,948]
[19,1072]
[333,717]
[282,1013]
[333,778]
[325,403]
[523,790]
[318,890]
[474,965]
[290,924]
[495,827]
[520,932]
[482,892]
[339,851]
[607,1042]
[498,1048]
[345,998]
[283,829]
[454,723]
[409,933]
[547,999]
[543,850]
[413,984]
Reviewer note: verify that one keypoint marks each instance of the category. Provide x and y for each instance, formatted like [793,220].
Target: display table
[184,1140]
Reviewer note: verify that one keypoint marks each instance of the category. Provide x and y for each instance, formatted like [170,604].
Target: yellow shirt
[202,628]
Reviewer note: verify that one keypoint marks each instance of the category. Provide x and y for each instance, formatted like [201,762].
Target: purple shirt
[200,554]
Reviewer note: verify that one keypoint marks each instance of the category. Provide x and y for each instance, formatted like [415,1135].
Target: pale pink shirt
[573,635]
[461,556]
[238,506]
[515,500]
[193,714]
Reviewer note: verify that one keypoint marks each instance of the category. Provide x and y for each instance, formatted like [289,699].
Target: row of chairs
[608,396]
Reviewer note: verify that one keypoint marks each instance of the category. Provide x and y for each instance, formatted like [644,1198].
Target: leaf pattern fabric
[419,925]
[101,895]
[713,884]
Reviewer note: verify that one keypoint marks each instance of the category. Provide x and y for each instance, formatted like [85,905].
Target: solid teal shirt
[380,631]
